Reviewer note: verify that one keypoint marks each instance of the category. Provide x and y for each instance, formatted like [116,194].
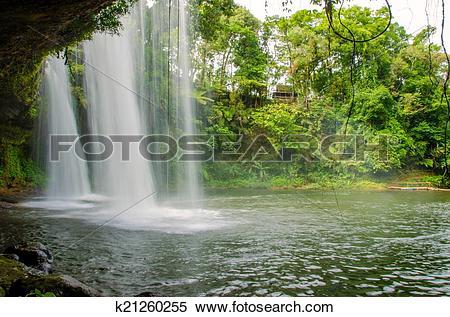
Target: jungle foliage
[397,83]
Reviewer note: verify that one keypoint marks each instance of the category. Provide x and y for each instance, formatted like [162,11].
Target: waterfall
[188,178]
[113,71]
[122,101]
[170,90]
[68,177]
[136,83]
[157,62]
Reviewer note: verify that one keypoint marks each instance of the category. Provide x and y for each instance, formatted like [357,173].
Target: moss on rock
[18,280]
[60,285]
[10,271]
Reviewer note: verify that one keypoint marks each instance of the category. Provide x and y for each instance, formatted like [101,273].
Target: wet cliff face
[29,30]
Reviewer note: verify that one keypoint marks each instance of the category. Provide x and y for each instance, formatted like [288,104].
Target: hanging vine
[285,5]
[445,92]
[329,14]
[429,33]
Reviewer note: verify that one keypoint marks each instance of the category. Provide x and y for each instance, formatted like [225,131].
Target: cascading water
[68,177]
[169,69]
[188,180]
[112,88]
[122,102]
[119,103]
[157,62]
[68,182]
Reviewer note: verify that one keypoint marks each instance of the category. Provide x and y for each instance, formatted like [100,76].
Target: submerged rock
[5,206]
[9,199]
[34,255]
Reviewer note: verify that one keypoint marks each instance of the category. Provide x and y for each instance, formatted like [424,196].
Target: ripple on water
[383,244]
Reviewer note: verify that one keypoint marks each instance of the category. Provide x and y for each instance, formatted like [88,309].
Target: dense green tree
[389,86]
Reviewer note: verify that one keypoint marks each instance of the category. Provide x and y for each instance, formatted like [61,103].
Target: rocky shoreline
[8,199]
[26,270]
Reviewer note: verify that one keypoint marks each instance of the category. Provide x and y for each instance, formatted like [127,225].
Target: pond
[255,243]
